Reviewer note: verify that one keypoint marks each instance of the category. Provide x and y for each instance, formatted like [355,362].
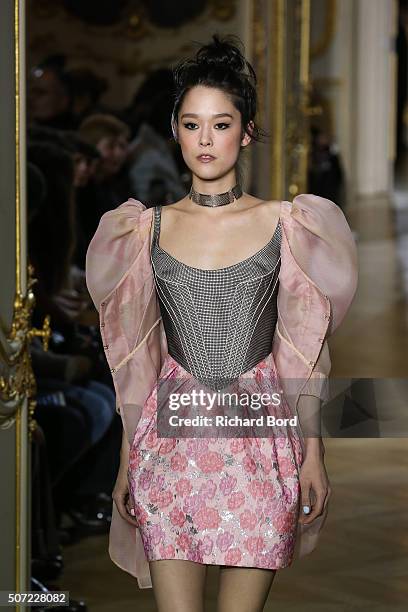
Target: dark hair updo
[222,65]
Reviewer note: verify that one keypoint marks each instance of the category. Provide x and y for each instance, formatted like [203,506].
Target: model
[219,291]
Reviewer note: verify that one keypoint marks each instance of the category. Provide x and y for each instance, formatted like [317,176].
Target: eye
[186,125]
[226,125]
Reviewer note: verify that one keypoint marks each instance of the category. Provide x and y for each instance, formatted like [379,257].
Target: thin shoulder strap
[156,226]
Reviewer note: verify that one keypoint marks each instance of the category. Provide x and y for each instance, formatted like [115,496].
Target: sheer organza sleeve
[113,248]
[323,246]
[318,383]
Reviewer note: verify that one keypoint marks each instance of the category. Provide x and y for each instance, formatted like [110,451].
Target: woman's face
[209,125]
[113,152]
[83,169]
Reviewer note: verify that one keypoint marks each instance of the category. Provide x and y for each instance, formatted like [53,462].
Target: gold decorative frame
[17,383]
[320,46]
[135,24]
[277,88]
[281,46]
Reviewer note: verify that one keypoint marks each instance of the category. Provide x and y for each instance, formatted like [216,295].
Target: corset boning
[219,323]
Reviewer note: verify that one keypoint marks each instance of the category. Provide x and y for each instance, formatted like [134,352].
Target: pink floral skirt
[219,501]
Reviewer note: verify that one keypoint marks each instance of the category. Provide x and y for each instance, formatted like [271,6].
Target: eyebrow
[217,115]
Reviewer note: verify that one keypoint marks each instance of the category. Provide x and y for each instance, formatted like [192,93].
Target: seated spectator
[85,426]
[49,100]
[86,90]
[110,184]
[85,157]
[154,168]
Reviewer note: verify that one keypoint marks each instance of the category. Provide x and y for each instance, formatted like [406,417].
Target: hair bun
[219,64]
[222,53]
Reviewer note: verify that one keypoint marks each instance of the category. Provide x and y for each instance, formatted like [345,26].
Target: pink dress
[217,500]
[317,282]
[223,502]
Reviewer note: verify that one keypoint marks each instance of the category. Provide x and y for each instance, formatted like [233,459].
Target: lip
[205,159]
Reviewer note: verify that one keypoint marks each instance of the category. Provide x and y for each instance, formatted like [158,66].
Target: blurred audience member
[110,184]
[86,415]
[325,172]
[152,170]
[153,163]
[85,157]
[52,230]
[86,90]
[49,100]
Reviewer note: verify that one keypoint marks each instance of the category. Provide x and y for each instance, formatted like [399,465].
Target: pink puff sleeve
[319,244]
[113,248]
[324,247]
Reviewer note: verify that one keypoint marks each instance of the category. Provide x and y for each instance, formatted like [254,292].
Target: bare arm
[120,494]
[309,410]
[124,452]
[314,482]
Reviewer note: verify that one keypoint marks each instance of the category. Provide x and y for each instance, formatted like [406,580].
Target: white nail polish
[306,509]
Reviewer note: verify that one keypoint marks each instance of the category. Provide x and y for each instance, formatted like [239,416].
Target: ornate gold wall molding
[125,50]
[135,23]
[19,382]
[277,90]
[320,46]
[282,65]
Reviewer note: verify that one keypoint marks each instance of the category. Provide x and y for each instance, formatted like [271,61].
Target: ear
[246,137]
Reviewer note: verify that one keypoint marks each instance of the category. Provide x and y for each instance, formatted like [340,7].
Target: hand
[122,499]
[314,483]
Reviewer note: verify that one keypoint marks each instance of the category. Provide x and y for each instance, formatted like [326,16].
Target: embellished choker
[216,199]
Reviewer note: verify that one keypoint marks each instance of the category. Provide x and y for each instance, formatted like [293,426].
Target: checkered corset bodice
[218,323]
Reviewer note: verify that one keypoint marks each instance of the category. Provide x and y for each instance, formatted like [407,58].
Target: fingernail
[306,509]
[132,512]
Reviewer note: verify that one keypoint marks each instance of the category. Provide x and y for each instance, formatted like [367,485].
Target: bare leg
[243,589]
[178,585]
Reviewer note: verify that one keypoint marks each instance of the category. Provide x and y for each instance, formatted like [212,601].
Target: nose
[205,138]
